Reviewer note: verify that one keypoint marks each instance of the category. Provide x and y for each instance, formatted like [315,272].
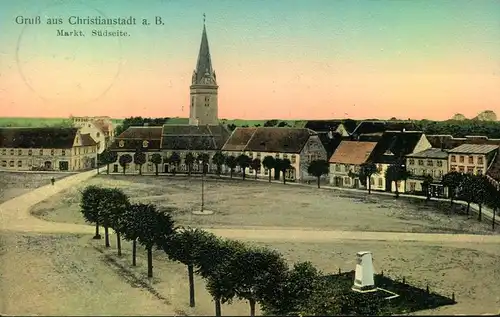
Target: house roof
[239,139]
[142,133]
[330,141]
[102,125]
[275,140]
[430,153]
[322,125]
[87,140]
[55,138]
[393,146]
[352,152]
[474,148]
[193,137]
[368,127]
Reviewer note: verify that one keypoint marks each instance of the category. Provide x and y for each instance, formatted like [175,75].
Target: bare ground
[13,184]
[259,204]
[74,275]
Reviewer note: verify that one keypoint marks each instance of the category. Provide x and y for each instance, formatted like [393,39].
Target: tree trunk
[243,173]
[255,174]
[106,236]
[319,181]
[252,307]
[480,215]
[369,185]
[269,175]
[231,173]
[493,219]
[397,190]
[119,243]
[217,307]
[189,170]
[124,170]
[97,235]
[107,169]
[156,169]
[140,169]
[284,178]
[150,261]
[468,207]
[134,252]
[191,285]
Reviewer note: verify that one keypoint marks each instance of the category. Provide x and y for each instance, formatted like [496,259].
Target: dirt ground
[13,184]
[75,275]
[254,204]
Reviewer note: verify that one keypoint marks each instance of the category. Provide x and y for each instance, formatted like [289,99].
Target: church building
[203,134]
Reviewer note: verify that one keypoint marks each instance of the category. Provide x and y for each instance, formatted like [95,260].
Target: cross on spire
[204,17]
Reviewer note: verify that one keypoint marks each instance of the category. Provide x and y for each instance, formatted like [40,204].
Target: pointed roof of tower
[204,64]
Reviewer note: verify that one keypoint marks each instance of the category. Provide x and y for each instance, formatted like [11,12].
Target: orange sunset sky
[289,59]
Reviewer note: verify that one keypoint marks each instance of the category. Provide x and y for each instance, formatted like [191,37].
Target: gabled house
[299,145]
[52,149]
[331,132]
[392,148]
[346,162]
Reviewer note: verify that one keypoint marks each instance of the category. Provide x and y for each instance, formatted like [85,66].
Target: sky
[287,59]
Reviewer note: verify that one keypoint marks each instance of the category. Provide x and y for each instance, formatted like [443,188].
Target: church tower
[203,103]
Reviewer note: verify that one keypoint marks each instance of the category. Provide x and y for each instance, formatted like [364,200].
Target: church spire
[204,70]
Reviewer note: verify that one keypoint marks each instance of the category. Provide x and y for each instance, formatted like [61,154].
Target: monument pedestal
[364,280]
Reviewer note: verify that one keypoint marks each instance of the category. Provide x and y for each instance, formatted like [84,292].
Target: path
[15,216]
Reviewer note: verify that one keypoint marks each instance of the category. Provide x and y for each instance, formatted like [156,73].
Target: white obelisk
[364,280]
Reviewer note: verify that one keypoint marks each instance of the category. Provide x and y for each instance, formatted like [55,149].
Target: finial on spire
[204,17]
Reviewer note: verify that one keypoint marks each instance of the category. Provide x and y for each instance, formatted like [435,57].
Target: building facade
[299,145]
[346,161]
[48,149]
[472,158]
[100,128]
[431,162]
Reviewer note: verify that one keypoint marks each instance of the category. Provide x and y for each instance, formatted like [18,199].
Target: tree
[255,274]
[277,168]
[108,157]
[285,166]
[189,161]
[294,297]
[426,184]
[366,171]
[318,168]
[139,159]
[132,226]
[480,196]
[155,228]
[493,201]
[184,246]
[255,164]
[213,263]
[244,162]
[204,158]
[175,160]
[396,173]
[156,160]
[452,181]
[116,204]
[269,163]
[467,189]
[124,160]
[218,159]
[271,123]
[231,163]
[90,206]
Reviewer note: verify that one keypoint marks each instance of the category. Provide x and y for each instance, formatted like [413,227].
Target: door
[47,165]
[165,168]
[356,183]
[63,165]
[115,168]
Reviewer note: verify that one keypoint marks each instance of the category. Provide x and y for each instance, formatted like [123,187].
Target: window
[412,186]
[411,162]
[294,159]
[52,152]
[250,154]
[461,169]
[453,168]
[347,180]
[479,171]
[372,181]
[41,151]
[277,155]
[439,163]
[420,162]
[430,163]
[462,159]
[4,151]
[471,159]
[4,163]
[453,158]
[285,156]
[11,163]
[207,101]
[337,167]
[266,171]
[380,182]
[258,155]
[30,152]
[440,173]
[470,169]
[19,152]
[480,160]
[19,163]
[12,152]
[97,134]
[63,152]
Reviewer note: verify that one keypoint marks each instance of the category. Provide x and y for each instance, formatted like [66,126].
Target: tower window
[207,101]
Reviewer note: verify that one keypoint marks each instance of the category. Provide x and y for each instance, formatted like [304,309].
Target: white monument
[363,280]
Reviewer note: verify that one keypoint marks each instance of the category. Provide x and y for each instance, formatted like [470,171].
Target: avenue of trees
[230,269]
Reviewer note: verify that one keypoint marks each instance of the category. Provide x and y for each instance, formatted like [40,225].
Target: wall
[467,166]
[96,134]
[198,109]
[342,170]
[313,150]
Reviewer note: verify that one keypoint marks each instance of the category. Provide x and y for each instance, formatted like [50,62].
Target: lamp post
[202,184]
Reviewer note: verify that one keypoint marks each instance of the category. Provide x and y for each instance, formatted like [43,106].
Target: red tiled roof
[352,152]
